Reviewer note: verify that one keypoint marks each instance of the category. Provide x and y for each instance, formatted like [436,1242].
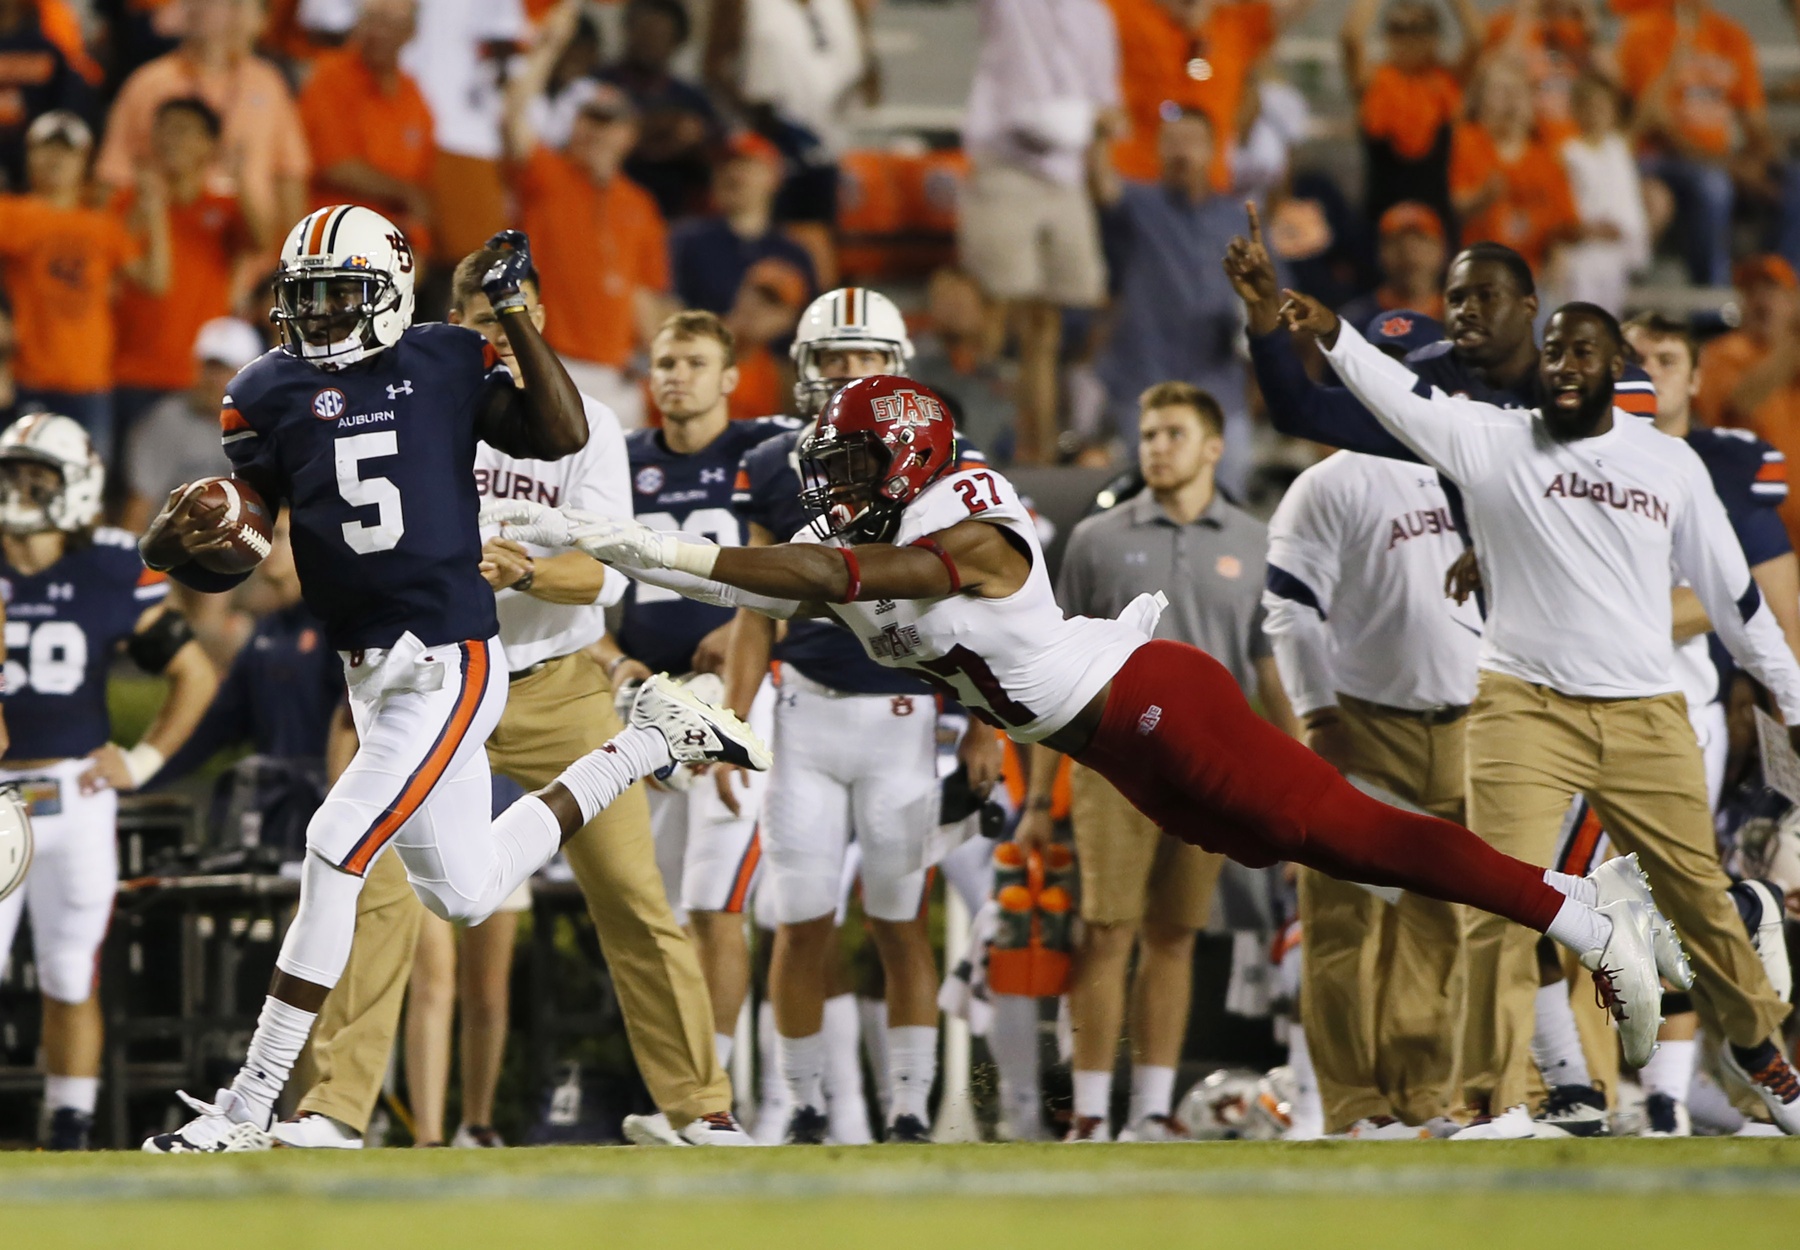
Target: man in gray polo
[1208,556]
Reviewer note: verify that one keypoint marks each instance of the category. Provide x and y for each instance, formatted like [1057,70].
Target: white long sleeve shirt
[1355,600]
[1580,541]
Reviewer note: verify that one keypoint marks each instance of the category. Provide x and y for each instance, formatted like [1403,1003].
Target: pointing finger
[1256,235]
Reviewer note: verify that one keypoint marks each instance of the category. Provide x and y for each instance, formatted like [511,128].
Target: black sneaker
[806,1127]
[69,1129]
[907,1130]
[1577,1110]
[1664,1117]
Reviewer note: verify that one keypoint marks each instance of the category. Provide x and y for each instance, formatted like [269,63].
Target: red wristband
[854,570]
[931,545]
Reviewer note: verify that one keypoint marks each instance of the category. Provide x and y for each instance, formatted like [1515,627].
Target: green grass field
[1696,1195]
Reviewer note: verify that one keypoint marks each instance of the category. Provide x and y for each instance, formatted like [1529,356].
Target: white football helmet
[849,318]
[1237,1105]
[344,288]
[15,840]
[58,442]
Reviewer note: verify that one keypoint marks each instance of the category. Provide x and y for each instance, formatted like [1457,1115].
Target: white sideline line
[895,1182]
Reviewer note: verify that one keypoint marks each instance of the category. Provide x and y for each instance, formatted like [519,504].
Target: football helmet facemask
[31,501]
[852,318]
[344,289]
[879,443]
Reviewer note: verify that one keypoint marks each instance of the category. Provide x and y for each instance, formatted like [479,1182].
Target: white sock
[599,777]
[281,1032]
[1013,1041]
[1579,927]
[1093,1094]
[803,1068]
[1309,1106]
[912,1067]
[845,1105]
[1580,889]
[723,1044]
[1152,1091]
[774,1089]
[1670,1070]
[1556,1042]
[873,1014]
[77,1092]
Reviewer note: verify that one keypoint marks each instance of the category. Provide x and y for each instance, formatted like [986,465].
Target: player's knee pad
[446,904]
[68,975]
[317,945]
[335,829]
[895,899]
[797,893]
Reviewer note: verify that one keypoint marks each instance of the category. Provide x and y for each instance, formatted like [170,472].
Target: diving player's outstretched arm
[543,419]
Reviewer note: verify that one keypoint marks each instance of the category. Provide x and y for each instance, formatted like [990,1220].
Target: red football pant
[1179,740]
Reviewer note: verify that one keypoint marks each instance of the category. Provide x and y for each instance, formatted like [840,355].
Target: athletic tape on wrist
[142,762]
[695,558]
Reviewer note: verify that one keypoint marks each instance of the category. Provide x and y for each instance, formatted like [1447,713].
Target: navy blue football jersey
[376,466]
[63,628]
[692,493]
[768,493]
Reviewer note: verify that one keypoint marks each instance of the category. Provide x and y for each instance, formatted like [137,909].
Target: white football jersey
[1030,668]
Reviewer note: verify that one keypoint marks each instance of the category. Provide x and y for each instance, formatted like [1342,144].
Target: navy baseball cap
[1400,332]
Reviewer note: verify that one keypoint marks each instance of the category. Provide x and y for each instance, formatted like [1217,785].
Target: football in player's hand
[248,518]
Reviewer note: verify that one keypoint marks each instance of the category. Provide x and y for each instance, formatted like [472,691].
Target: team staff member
[559,707]
[1357,553]
[1183,537]
[76,596]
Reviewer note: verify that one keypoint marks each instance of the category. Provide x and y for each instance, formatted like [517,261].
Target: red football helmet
[879,443]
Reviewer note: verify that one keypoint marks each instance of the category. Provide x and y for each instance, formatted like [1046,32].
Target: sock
[599,777]
[1579,927]
[845,1105]
[873,1014]
[527,835]
[1152,1091]
[1556,1042]
[803,1068]
[1754,1058]
[1308,1115]
[77,1092]
[1013,1041]
[1093,1094]
[912,1067]
[281,1032]
[1671,1069]
[1580,889]
[773,1088]
[723,1044]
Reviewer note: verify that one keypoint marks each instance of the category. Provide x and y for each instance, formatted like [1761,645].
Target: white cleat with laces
[695,730]
[219,1127]
[1626,981]
[1622,877]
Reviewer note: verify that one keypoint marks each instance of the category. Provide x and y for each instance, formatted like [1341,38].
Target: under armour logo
[693,737]
[1151,718]
[709,476]
[405,388]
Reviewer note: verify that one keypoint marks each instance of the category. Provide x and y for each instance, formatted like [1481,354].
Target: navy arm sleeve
[1301,408]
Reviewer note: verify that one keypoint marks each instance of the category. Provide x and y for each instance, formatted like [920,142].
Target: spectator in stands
[368,125]
[710,255]
[457,58]
[1411,251]
[209,236]
[1557,41]
[178,439]
[1614,239]
[1750,377]
[61,259]
[600,244]
[35,77]
[9,387]
[1693,76]
[790,66]
[1175,317]
[677,122]
[263,145]
[957,354]
[762,319]
[1409,104]
[1046,89]
[1277,121]
[1506,184]
[572,73]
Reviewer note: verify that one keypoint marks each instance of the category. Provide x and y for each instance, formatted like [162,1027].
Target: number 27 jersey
[1018,661]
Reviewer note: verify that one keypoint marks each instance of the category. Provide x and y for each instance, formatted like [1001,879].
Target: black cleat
[1578,1110]
[69,1129]
[907,1130]
[806,1127]
[1664,1117]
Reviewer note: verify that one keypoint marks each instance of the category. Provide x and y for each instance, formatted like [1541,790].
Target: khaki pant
[1382,987]
[1530,751]
[552,718]
[1132,871]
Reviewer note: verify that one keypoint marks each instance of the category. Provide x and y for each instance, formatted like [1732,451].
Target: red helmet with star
[879,443]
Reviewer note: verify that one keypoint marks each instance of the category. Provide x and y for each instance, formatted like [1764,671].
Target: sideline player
[857,758]
[681,479]
[941,572]
[364,426]
[75,596]
[551,608]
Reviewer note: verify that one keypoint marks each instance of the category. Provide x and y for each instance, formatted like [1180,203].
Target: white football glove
[627,544]
[523,521]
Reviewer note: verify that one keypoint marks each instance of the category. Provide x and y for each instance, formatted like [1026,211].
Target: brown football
[251,521]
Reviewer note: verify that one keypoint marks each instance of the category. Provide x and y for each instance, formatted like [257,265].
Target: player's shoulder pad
[763,463]
[252,383]
[974,494]
[640,444]
[1635,393]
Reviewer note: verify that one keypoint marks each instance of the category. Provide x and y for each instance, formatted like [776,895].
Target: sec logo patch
[328,404]
[1229,566]
[649,480]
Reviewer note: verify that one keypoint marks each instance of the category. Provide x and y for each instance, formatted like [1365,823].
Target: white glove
[523,521]
[627,544]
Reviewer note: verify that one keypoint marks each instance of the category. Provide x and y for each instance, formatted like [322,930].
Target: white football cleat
[214,1130]
[476,1137]
[1155,1128]
[1760,905]
[1513,1124]
[1775,1083]
[1626,980]
[1386,1128]
[311,1131]
[1088,1128]
[696,730]
[720,1128]
[1623,877]
[650,1130]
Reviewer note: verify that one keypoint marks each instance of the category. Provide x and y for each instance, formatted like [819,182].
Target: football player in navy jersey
[76,595]
[859,758]
[363,426]
[681,480]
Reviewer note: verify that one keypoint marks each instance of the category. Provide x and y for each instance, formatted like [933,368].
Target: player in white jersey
[941,572]
[1357,553]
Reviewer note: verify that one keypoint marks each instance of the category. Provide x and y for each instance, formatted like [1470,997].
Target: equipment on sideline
[15,840]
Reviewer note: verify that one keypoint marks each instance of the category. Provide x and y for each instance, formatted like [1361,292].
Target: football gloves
[505,277]
[624,544]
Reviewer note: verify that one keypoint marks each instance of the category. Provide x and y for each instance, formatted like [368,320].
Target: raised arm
[542,419]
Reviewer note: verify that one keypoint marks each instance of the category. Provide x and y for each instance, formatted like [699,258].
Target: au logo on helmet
[904,409]
[1396,327]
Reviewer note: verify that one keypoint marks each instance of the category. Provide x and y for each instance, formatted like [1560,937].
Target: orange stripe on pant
[427,774]
[746,873]
[1578,859]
